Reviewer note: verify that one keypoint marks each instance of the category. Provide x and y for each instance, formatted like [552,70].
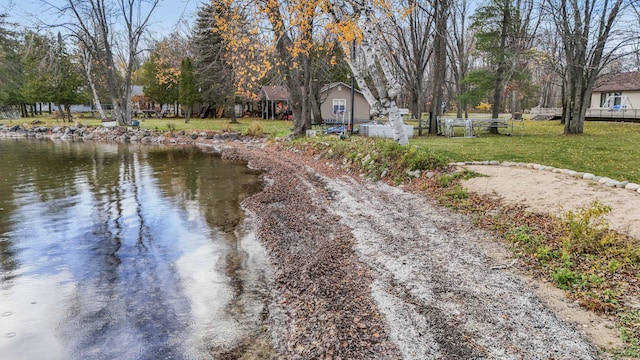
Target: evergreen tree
[188,91]
[10,69]
[504,31]
[214,75]
[157,89]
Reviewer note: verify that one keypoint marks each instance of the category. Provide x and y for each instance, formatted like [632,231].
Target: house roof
[613,82]
[274,93]
[329,86]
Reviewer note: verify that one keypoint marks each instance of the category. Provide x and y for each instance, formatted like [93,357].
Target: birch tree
[586,29]
[87,62]
[367,23]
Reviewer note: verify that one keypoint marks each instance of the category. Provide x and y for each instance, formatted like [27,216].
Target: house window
[339,106]
[610,100]
[603,99]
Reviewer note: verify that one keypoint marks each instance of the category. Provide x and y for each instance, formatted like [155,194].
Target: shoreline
[356,276]
[413,275]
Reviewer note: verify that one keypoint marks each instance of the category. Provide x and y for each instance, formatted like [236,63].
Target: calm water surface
[114,251]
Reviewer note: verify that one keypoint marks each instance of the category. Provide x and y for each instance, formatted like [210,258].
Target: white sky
[169,15]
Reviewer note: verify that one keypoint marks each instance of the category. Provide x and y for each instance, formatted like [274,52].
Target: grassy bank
[606,148]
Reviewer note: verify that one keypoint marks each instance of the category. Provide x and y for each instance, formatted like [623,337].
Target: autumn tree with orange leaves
[292,30]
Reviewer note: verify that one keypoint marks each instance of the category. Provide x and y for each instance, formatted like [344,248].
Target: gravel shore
[364,270]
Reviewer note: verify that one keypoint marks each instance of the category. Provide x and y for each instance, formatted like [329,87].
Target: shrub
[255,129]
[565,278]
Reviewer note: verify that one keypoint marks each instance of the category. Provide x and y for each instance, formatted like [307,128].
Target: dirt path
[368,271]
[554,193]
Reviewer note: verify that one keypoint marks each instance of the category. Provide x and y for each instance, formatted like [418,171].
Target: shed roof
[274,92]
[613,82]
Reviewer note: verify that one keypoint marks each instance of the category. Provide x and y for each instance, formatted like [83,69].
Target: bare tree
[410,48]
[460,47]
[585,28]
[441,10]
[549,68]
[111,31]
[87,66]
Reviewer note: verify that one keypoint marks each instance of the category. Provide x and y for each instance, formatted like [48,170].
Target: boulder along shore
[364,270]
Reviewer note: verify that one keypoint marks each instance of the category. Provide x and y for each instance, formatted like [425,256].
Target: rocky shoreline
[118,134]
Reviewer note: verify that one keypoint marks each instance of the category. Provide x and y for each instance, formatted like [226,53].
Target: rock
[596,178]
[622,184]
[604,180]
[588,176]
[494,162]
[414,173]
[611,183]
[632,186]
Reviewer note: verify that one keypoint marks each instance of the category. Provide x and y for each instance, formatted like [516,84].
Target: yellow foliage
[483,107]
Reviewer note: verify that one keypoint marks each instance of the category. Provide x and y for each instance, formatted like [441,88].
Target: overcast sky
[170,15]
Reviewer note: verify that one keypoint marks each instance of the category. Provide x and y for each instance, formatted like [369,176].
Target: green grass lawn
[606,148]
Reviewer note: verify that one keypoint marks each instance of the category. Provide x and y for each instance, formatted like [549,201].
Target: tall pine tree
[213,75]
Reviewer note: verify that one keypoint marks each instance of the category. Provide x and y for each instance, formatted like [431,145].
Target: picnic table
[470,125]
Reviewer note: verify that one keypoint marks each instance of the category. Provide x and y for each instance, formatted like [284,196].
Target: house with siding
[617,91]
[337,106]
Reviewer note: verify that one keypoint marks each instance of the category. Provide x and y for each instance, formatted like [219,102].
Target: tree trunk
[439,65]
[187,114]
[67,109]
[501,69]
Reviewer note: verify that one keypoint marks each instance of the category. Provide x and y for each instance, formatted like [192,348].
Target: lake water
[116,251]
